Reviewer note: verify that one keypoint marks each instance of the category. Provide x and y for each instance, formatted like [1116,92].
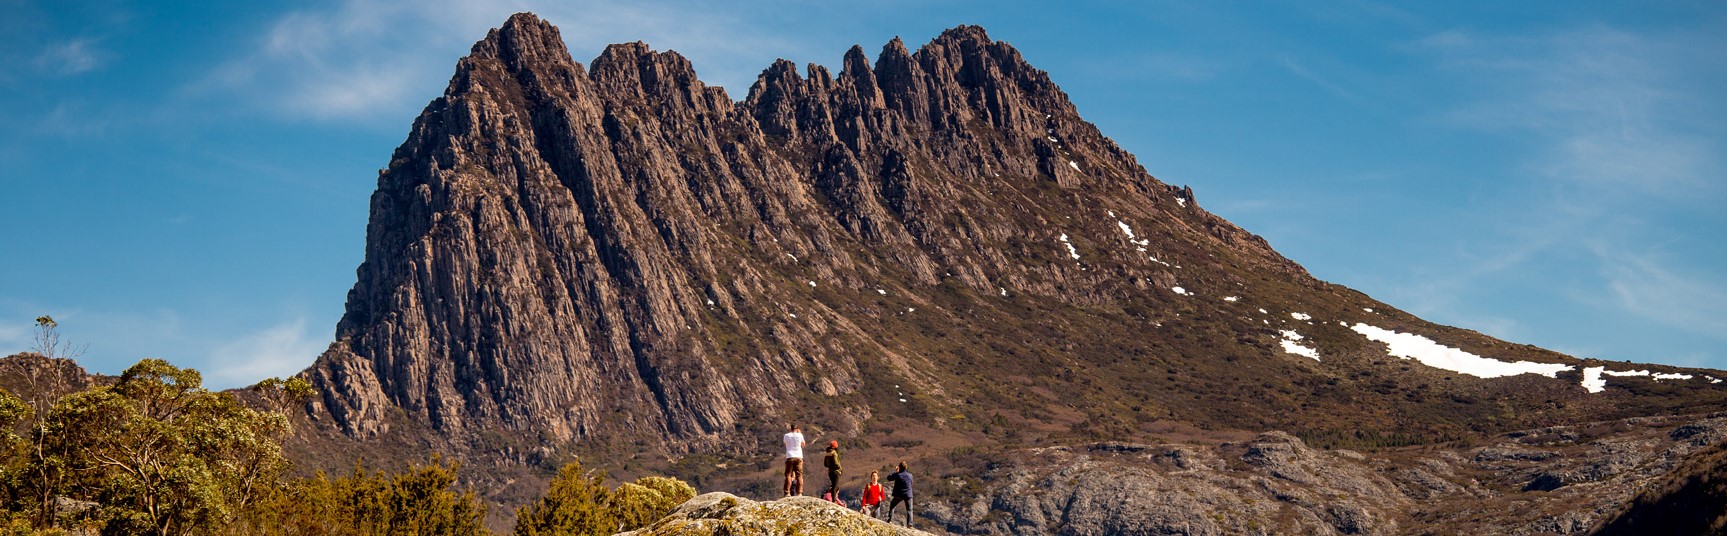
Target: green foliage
[14,469]
[13,410]
[419,500]
[280,393]
[160,453]
[574,504]
[155,452]
[648,499]
[578,503]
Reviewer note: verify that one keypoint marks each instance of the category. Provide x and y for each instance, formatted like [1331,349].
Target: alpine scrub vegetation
[155,452]
[578,503]
[421,499]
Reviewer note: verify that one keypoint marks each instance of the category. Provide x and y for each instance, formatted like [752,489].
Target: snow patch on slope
[1297,349]
[1592,380]
[1432,354]
[1070,250]
[1289,345]
[1626,373]
[1594,383]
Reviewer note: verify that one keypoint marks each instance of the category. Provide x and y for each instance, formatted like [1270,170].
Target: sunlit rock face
[619,261]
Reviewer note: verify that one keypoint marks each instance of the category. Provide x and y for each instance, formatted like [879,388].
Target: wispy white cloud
[14,337]
[362,60]
[1609,160]
[74,120]
[280,350]
[18,327]
[354,91]
[228,352]
[1612,108]
[1299,69]
[72,57]
[1655,288]
[338,64]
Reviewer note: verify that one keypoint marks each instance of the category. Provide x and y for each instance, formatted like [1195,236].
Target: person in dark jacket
[901,493]
[832,462]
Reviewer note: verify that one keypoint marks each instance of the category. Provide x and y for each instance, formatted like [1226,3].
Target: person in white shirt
[794,462]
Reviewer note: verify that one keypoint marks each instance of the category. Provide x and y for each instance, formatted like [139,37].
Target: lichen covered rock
[726,514]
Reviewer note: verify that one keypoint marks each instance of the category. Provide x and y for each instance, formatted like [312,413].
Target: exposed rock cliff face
[617,260]
[40,379]
[620,250]
[622,247]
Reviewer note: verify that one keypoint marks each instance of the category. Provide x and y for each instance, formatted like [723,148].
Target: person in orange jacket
[873,495]
[832,462]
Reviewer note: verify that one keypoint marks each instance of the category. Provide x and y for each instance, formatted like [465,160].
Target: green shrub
[578,503]
[419,500]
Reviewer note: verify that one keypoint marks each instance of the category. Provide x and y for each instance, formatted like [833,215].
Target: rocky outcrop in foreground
[716,514]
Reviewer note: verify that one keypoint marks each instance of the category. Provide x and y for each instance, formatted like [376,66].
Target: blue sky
[190,181]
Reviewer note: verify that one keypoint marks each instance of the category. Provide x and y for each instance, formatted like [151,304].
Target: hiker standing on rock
[832,461]
[794,462]
[872,496]
[901,493]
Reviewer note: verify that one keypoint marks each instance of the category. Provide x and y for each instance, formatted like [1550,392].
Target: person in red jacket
[873,495]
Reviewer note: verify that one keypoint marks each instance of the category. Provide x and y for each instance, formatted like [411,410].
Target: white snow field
[1432,354]
[1289,345]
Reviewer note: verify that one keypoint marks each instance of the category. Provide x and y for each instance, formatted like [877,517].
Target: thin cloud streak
[277,351]
[14,338]
[1612,156]
[113,340]
[1295,67]
[364,60]
[1610,106]
[1652,289]
[71,57]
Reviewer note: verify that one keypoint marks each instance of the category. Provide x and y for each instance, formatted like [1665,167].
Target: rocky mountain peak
[563,259]
[524,40]
[635,70]
[965,33]
[856,63]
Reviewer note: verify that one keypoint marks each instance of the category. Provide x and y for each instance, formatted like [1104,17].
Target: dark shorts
[794,465]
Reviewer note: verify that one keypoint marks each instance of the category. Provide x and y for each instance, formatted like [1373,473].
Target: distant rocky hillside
[924,252]
[41,379]
[1557,480]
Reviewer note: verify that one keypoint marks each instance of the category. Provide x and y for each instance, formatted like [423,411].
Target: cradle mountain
[928,255]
